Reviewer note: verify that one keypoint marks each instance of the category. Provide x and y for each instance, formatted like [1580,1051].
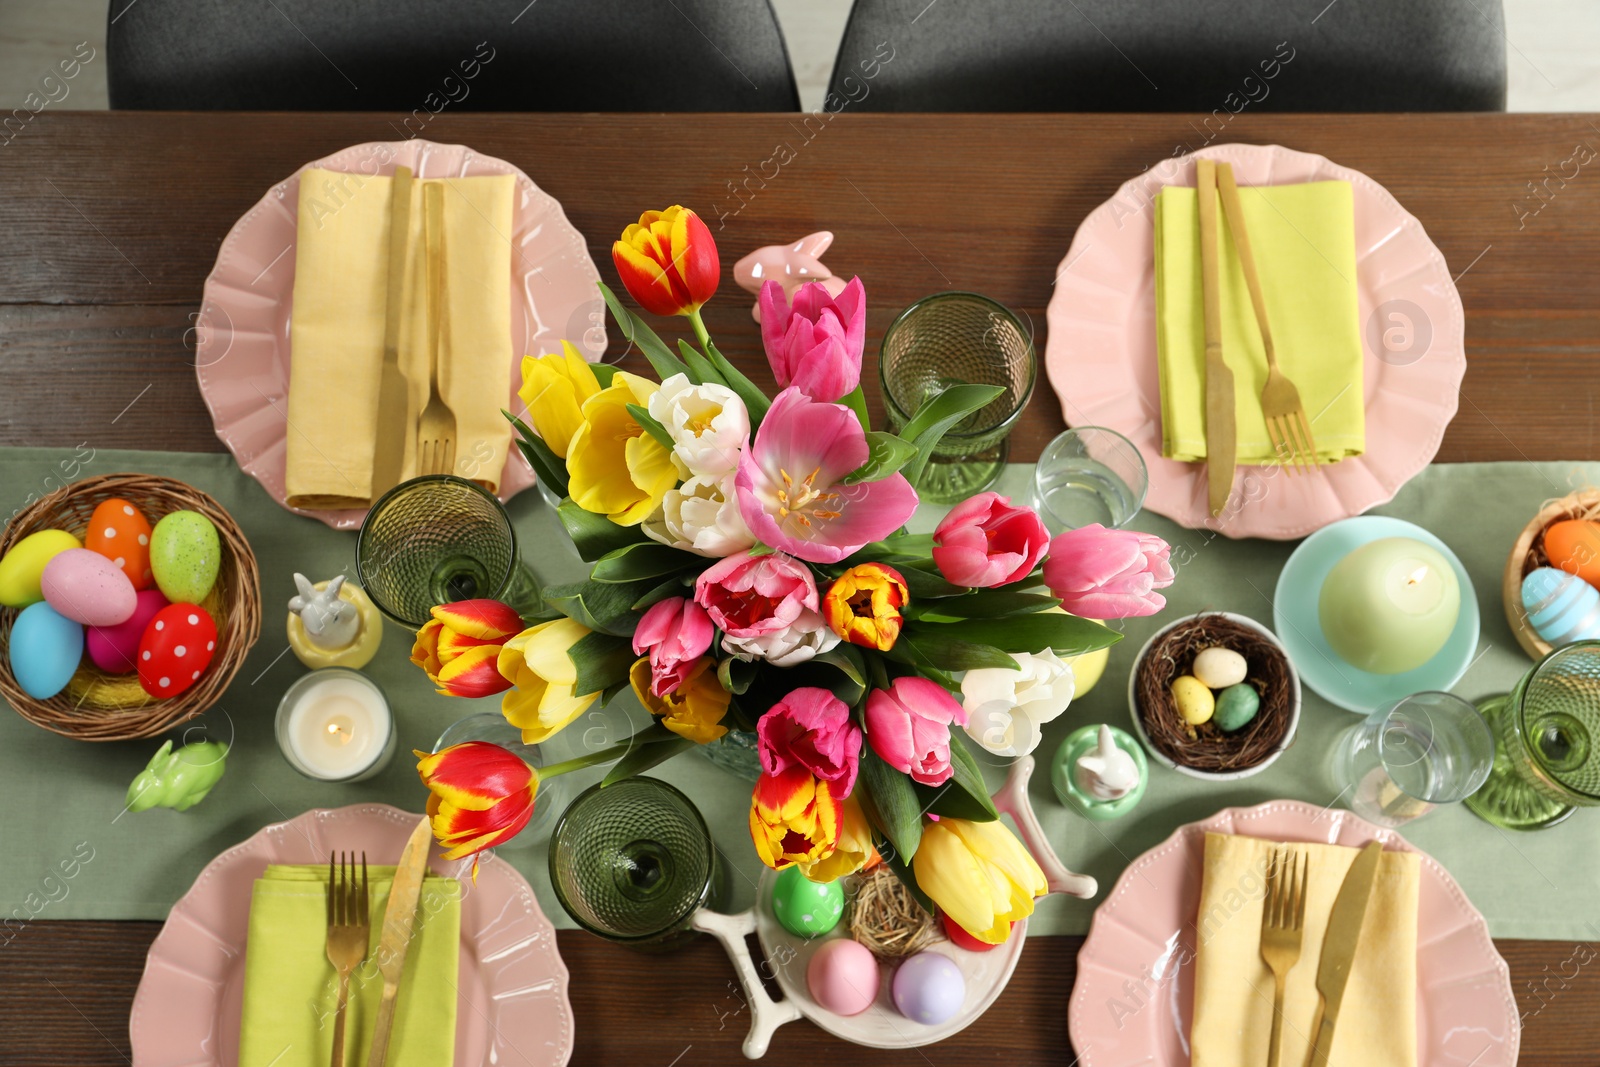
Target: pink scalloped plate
[1143,934]
[1101,350]
[512,984]
[242,331]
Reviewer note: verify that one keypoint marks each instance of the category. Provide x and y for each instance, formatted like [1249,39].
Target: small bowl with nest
[1205,750]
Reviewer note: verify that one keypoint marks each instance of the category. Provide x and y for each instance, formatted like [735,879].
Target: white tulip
[807,636]
[1006,708]
[701,516]
[708,425]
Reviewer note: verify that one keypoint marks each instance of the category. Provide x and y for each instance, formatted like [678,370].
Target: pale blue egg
[45,649]
[1562,608]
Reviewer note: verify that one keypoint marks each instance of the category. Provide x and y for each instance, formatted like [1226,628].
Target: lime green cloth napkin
[290,988]
[1304,242]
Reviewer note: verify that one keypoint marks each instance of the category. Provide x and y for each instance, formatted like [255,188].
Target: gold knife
[399,921]
[1339,945]
[392,427]
[1221,431]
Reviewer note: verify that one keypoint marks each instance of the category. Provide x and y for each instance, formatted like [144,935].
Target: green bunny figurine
[180,779]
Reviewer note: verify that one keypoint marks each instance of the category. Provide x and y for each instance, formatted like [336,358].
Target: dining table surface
[111,221]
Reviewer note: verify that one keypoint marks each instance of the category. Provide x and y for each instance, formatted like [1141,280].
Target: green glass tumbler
[632,862]
[438,539]
[1546,760]
[953,339]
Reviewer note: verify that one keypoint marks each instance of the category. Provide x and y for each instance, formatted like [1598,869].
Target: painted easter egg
[843,976]
[185,555]
[1194,701]
[121,533]
[929,988]
[175,650]
[115,649]
[22,567]
[961,939]
[1561,607]
[88,588]
[1218,668]
[1236,707]
[806,908]
[1573,545]
[45,649]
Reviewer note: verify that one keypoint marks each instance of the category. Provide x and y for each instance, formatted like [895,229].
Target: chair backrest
[1172,55]
[427,55]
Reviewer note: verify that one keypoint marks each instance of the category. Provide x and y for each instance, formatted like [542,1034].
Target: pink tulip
[1108,574]
[815,344]
[676,632]
[751,596]
[908,726]
[811,728]
[985,542]
[789,488]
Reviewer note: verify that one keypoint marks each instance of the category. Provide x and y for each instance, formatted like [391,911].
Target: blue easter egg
[45,649]
[1562,608]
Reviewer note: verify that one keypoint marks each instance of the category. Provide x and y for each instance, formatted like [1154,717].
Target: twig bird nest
[887,919]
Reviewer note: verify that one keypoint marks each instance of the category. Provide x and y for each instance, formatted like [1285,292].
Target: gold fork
[1287,427]
[1283,920]
[347,934]
[436,432]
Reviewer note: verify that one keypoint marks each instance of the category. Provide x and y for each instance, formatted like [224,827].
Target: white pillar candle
[334,724]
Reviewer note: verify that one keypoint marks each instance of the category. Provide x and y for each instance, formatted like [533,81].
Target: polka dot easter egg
[185,555]
[175,650]
[120,533]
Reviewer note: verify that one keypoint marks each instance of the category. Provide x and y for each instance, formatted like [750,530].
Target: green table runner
[71,853]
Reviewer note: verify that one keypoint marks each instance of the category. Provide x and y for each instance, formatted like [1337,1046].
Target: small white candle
[334,724]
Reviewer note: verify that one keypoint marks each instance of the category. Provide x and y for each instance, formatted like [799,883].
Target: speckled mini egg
[88,588]
[115,649]
[23,566]
[1236,707]
[843,976]
[1218,668]
[1562,608]
[175,650]
[1193,700]
[185,555]
[121,533]
[929,988]
[806,908]
[45,649]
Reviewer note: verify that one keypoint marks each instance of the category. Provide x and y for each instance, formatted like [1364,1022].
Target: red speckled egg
[120,533]
[175,650]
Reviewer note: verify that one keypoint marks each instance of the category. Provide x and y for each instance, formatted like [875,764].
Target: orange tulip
[460,645]
[668,261]
[480,795]
[863,605]
[794,818]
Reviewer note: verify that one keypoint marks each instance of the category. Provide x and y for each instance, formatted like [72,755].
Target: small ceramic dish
[1295,617]
[1291,682]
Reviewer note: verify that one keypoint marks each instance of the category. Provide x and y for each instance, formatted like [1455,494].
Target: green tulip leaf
[964,795]
[602,661]
[639,332]
[699,365]
[603,606]
[1067,635]
[641,560]
[755,401]
[902,870]
[931,646]
[649,425]
[650,752]
[592,534]
[736,675]
[856,401]
[985,604]
[890,803]
[887,453]
[550,468]
[938,414]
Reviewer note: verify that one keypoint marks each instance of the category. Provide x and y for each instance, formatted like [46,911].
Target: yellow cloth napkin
[336,331]
[1233,987]
[1304,242]
[290,988]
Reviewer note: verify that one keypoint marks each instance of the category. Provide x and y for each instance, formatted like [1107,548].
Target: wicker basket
[1528,553]
[96,706]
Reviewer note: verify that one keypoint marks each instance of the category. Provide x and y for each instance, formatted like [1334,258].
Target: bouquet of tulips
[750,570]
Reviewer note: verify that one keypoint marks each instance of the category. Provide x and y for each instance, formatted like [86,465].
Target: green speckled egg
[184,556]
[1236,706]
[806,908]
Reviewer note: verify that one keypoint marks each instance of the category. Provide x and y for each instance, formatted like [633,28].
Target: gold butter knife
[393,427]
[399,922]
[1221,431]
[1339,945]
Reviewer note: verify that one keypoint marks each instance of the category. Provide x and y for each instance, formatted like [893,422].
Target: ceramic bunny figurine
[330,622]
[178,780]
[791,266]
[1107,772]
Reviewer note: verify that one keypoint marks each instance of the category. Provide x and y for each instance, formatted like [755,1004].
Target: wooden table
[109,224]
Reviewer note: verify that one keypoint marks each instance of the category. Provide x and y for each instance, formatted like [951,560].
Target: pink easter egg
[843,976]
[175,650]
[88,588]
[115,649]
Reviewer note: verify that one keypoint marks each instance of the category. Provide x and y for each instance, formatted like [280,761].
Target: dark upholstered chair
[475,55]
[1172,55]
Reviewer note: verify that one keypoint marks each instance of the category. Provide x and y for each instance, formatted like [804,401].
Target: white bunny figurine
[330,621]
[1107,772]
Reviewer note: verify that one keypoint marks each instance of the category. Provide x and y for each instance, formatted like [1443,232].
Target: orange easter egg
[119,532]
[1573,545]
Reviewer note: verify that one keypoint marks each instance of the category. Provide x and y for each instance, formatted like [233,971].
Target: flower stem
[700,330]
[591,759]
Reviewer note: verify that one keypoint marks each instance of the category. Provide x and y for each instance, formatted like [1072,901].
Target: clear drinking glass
[632,862]
[1088,475]
[1404,760]
[492,727]
[438,539]
[958,339]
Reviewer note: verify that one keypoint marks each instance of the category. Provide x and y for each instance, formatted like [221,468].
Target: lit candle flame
[339,732]
[1417,575]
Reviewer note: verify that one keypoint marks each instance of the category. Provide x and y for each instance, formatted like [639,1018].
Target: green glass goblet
[953,339]
[632,862]
[1547,756]
[438,539]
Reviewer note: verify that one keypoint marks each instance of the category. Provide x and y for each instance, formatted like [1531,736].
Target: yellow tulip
[694,709]
[615,468]
[979,874]
[545,699]
[854,849]
[554,386]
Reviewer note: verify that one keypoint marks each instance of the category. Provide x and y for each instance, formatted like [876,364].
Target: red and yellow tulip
[668,261]
[459,646]
[854,850]
[979,874]
[693,710]
[863,605]
[480,795]
[794,818]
